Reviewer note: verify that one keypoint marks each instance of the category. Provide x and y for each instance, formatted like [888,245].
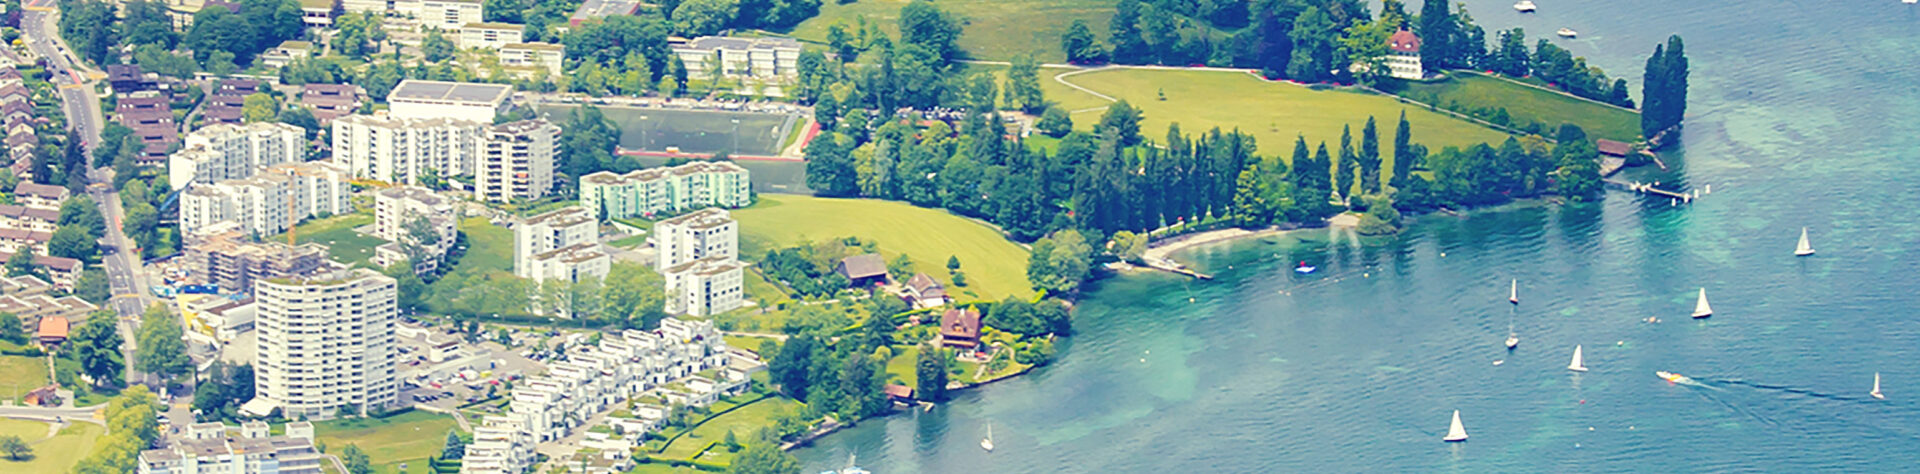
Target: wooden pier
[1174,267]
[1650,188]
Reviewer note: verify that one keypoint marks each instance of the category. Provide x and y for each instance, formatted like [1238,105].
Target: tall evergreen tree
[1343,183]
[1129,46]
[1653,86]
[1369,158]
[1436,28]
[1402,156]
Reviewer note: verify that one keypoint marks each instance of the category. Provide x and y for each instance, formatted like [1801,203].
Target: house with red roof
[960,328]
[1403,55]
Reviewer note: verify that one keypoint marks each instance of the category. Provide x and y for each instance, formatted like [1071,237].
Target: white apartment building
[552,231]
[213,451]
[651,191]
[449,100]
[707,233]
[704,287]
[398,150]
[221,152]
[395,208]
[516,161]
[489,35]
[325,342]
[1403,56]
[570,263]
[269,202]
[450,15]
[501,445]
[707,57]
[547,56]
[592,379]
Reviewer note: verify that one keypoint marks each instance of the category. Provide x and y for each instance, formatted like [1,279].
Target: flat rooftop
[602,8]
[451,91]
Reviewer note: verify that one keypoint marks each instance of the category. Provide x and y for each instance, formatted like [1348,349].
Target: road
[50,414]
[82,107]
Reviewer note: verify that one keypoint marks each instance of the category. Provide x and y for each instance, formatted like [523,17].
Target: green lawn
[56,454]
[743,421]
[995,267]
[343,244]
[748,343]
[764,292]
[405,438]
[1274,113]
[1471,91]
[491,247]
[19,374]
[905,365]
[990,29]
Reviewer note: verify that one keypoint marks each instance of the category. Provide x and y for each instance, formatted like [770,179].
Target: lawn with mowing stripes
[990,29]
[50,454]
[20,374]
[1468,91]
[336,233]
[995,267]
[408,438]
[1274,113]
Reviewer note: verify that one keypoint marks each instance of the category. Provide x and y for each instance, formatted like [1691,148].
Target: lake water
[1801,114]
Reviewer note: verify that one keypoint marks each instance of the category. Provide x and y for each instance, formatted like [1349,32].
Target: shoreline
[1163,249]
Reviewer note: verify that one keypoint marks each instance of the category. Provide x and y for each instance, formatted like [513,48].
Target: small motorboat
[1457,432]
[1513,340]
[1567,33]
[1304,268]
[1672,377]
[1525,6]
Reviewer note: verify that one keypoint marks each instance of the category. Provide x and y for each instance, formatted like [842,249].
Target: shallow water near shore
[1800,115]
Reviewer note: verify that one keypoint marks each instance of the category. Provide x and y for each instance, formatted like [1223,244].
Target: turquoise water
[1801,114]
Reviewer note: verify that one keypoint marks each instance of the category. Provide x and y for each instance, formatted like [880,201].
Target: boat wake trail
[1793,390]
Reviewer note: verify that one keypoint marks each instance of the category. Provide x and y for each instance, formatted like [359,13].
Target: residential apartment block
[325,342]
[489,35]
[706,233]
[593,379]
[210,450]
[234,262]
[570,263]
[450,15]
[708,57]
[541,234]
[398,150]
[546,56]
[449,100]
[221,152]
[269,202]
[39,196]
[652,191]
[699,257]
[397,208]
[516,161]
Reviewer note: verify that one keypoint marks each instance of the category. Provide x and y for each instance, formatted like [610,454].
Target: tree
[1065,263]
[1663,90]
[87,26]
[11,329]
[92,287]
[1023,85]
[1121,122]
[789,368]
[764,458]
[73,242]
[96,345]
[922,23]
[1343,183]
[953,263]
[80,211]
[356,460]
[1313,46]
[1081,46]
[1436,29]
[1055,122]
[1369,158]
[301,117]
[830,167]
[1365,44]
[15,448]
[1403,158]
[703,17]
[1129,45]
[159,345]
[455,447]
[436,47]
[1128,246]
[930,371]
[21,263]
[260,107]
[358,35]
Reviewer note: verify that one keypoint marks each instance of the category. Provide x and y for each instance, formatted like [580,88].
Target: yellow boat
[1672,377]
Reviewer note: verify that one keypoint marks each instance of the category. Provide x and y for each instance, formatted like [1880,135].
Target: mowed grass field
[994,30]
[408,438]
[50,454]
[1524,104]
[995,267]
[742,421]
[343,244]
[1274,113]
[20,374]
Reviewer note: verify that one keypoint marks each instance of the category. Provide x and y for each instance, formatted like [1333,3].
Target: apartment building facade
[653,191]
[325,342]
[516,161]
[222,152]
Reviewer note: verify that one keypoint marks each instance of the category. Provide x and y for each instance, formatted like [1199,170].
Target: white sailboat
[1513,293]
[1513,338]
[1457,432]
[987,443]
[1700,308]
[1805,248]
[1578,364]
[1876,388]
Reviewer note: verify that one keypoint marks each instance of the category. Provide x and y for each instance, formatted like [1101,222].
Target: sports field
[990,29]
[995,267]
[1273,112]
[694,131]
[1469,91]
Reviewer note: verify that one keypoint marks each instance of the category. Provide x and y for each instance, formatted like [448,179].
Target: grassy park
[1274,113]
[993,29]
[995,267]
[21,374]
[50,454]
[405,438]
[1470,91]
[743,421]
[343,244]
